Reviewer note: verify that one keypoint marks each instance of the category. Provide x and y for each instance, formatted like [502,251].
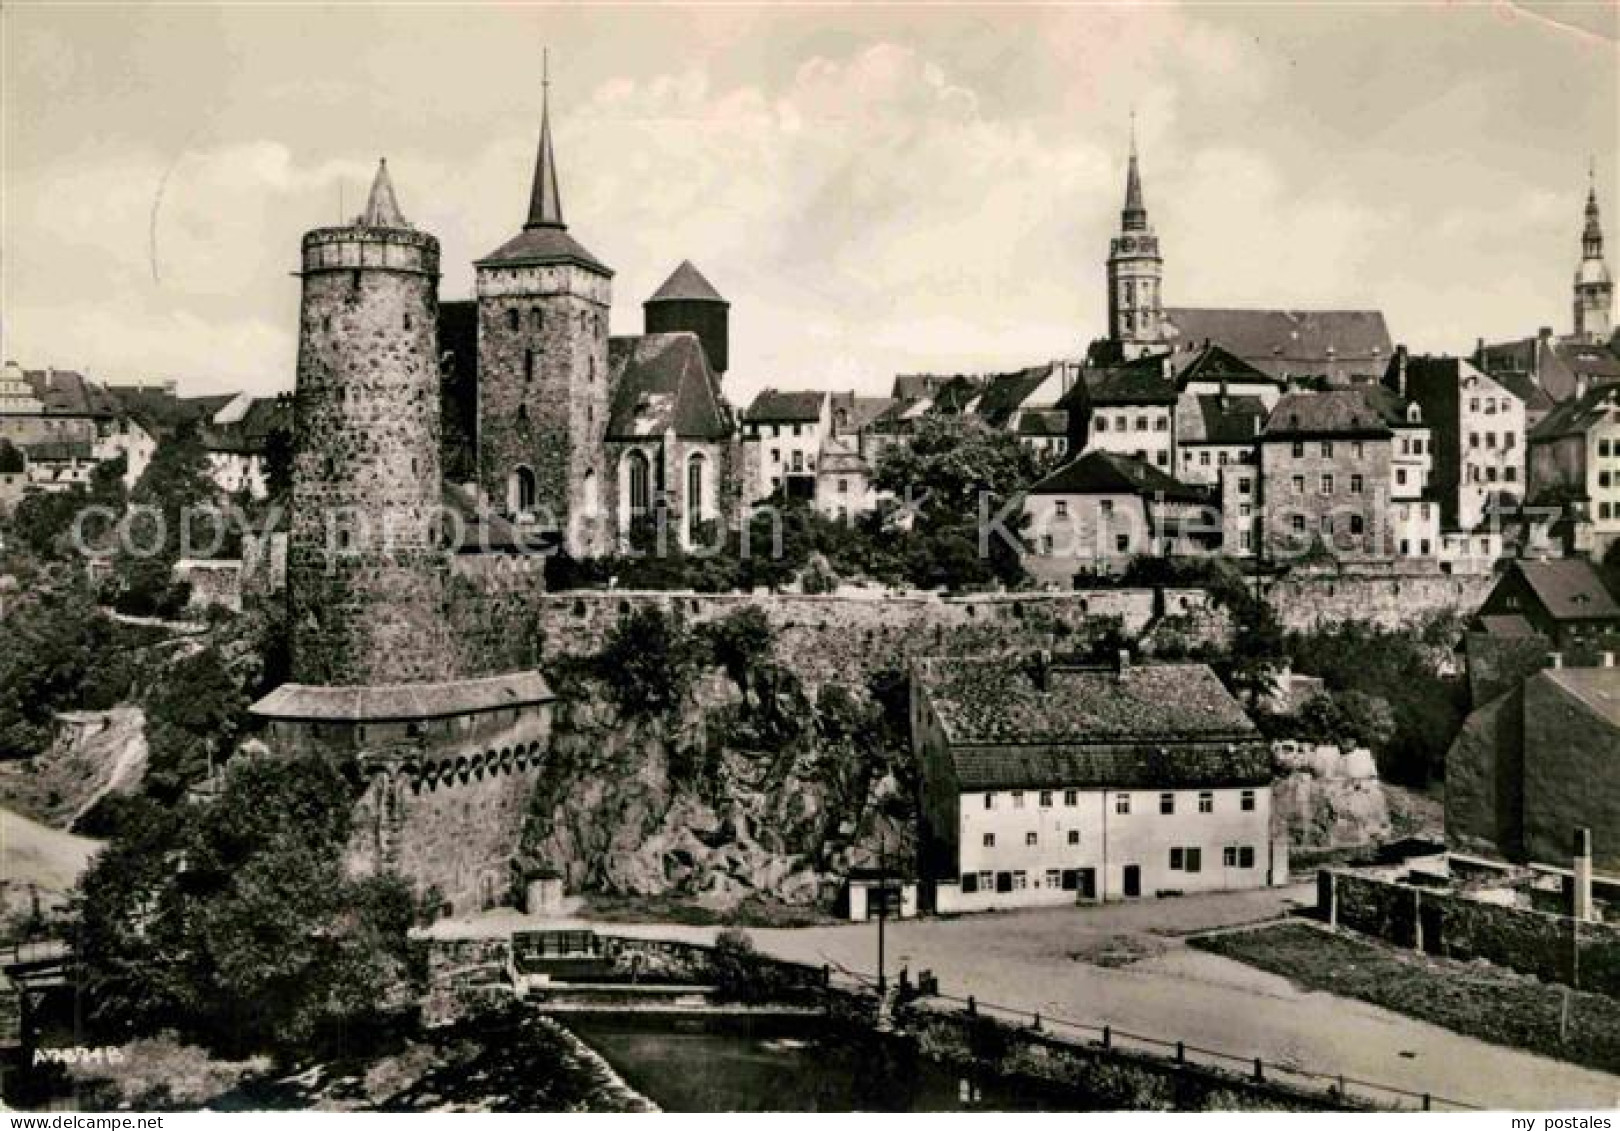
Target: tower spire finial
[545,202]
[1135,214]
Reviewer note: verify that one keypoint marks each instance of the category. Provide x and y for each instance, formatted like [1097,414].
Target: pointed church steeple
[545,202]
[1594,286]
[1134,217]
[382,209]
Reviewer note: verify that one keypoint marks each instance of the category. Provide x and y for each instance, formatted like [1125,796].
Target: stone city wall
[1554,948]
[1392,600]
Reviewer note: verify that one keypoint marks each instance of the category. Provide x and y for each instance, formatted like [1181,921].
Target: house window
[1071,797]
[843,486]
[1400,476]
[1178,859]
[989,840]
[1356,449]
[1122,803]
[1162,458]
[1246,801]
[1141,424]
[1061,508]
[1355,484]
[1358,525]
[1299,450]
[1327,484]
[1122,543]
[970,883]
[1473,439]
[1018,799]
[1297,523]
[1102,424]
[1106,506]
[1203,459]
[1245,485]
[1229,856]
[989,801]
[1246,856]
[1195,859]
[1167,803]
[1161,424]
[1046,799]
[1054,877]
[1206,802]
[1074,836]
[1327,449]
[1020,881]
[1031,840]
[1299,484]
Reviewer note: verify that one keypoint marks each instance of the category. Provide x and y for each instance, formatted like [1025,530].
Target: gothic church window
[523,490]
[639,483]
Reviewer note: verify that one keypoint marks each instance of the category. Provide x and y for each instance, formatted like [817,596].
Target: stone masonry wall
[549,414]
[1554,948]
[495,608]
[1303,601]
[365,577]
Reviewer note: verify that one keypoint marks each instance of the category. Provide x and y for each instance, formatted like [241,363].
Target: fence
[1227,1066]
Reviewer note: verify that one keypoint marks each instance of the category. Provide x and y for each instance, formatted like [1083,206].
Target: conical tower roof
[382,209]
[686,284]
[1134,216]
[544,238]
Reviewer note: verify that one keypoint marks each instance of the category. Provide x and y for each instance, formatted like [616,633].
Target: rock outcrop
[736,795]
[1327,798]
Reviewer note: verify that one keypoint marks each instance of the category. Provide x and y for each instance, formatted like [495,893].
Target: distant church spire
[545,203]
[382,209]
[1134,218]
[1594,287]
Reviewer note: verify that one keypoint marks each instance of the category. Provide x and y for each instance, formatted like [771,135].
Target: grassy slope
[1476,999]
[31,853]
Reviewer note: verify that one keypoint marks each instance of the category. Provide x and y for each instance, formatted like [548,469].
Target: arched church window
[694,492]
[522,490]
[640,483]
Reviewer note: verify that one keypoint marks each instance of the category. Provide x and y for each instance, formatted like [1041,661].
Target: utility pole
[883,911]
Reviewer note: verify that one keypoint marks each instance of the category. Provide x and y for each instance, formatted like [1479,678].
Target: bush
[740,641]
[648,662]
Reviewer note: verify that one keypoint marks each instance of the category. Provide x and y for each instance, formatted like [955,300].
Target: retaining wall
[1554,948]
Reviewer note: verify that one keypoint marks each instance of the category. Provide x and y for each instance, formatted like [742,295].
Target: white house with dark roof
[1049,782]
[783,433]
[1097,512]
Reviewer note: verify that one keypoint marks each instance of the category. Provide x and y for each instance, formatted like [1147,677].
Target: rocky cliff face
[743,791]
[1325,798]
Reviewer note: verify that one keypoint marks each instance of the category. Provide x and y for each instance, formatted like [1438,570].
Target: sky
[876,189]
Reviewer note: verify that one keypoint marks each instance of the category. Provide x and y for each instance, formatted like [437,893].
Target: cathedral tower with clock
[1135,268]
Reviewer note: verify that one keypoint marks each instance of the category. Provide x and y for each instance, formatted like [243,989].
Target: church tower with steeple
[543,303]
[1594,289]
[1135,310]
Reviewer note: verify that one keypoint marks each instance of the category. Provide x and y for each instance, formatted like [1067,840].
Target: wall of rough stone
[549,415]
[1485,780]
[1392,600]
[830,637]
[1554,948]
[495,608]
[366,578]
[212,583]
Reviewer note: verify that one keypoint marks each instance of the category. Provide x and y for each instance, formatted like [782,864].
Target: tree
[58,653]
[278,462]
[740,641]
[648,661]
[235,922]
[1346,719]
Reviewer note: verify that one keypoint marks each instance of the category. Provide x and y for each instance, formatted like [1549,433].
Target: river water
[759,1063]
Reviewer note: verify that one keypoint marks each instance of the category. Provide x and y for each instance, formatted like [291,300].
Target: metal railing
[1241,1068]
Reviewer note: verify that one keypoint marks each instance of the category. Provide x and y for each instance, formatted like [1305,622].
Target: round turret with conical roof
[687,301]
[367,576]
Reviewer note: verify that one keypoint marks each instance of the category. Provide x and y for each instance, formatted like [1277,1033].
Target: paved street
[1027,960]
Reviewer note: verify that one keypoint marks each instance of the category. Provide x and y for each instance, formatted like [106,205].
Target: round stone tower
[367,576]
[687,301]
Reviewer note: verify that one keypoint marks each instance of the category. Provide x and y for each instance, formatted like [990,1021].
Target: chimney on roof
[1479,353]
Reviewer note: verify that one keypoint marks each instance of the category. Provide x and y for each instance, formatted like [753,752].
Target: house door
[1088,884]
[1133,881]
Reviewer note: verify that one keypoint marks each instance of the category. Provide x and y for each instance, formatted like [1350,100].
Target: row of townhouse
[57,426]
[1407,469]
